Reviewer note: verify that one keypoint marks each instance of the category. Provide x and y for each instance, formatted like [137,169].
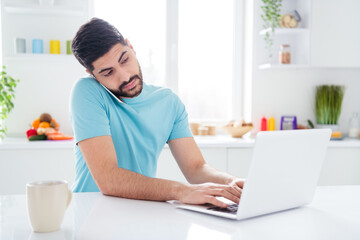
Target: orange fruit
[35,123]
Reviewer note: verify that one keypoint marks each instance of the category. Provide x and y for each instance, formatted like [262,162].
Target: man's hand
[207,193]
[237,183]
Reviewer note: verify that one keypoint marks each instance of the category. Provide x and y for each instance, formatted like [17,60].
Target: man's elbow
[105,185]
[106,190]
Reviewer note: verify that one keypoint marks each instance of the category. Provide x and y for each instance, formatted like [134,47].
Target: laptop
[283,174]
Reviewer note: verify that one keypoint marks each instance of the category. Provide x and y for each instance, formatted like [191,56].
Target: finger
[238,189]
[214,201]
[240,184]
[226,194]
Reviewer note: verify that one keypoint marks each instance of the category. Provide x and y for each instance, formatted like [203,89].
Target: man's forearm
[120,182]
[128,184]
[193,165]
[206,173]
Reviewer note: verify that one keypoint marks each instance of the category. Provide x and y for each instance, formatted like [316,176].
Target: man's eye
[125,60]
[108,74]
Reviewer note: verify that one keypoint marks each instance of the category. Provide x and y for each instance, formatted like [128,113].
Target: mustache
[131,79]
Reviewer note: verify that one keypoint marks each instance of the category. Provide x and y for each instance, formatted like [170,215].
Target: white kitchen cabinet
[168,168]
[19,166]
[341,167]
[215,157]
[239,161]
[22,161]
[335,33]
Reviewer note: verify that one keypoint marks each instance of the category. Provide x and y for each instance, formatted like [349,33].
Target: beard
[130,93]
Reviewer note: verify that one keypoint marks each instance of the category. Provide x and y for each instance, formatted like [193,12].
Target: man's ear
[87,70]
[130,46]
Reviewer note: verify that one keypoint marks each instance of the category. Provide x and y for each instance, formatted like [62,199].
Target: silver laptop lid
[284,171]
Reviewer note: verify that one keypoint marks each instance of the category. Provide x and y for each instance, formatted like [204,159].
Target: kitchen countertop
[219,141]
[333,214]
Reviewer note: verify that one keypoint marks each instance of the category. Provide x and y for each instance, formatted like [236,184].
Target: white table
[333,214]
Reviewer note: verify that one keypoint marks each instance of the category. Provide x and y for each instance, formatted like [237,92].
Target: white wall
[45,86]
[45,80]
[280,92]
[285,92]
[272,92]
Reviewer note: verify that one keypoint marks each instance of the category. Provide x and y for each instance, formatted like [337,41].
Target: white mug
[47,202]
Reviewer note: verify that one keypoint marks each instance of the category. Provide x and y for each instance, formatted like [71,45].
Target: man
[121,125]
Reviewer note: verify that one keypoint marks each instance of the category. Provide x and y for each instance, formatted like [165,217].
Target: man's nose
[123,75]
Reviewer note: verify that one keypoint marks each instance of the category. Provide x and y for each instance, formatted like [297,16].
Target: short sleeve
[87,110]
[181,127]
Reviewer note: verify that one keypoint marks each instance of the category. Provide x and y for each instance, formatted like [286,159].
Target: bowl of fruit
[237,129]
[45,128]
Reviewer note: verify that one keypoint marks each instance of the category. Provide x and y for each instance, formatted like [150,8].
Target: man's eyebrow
[105,69]
[122,54]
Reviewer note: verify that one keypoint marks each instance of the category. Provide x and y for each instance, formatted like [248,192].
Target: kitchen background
[333,58]
[237,81]
[330,42]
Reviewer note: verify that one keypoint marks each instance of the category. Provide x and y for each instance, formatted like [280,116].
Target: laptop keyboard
[232,208]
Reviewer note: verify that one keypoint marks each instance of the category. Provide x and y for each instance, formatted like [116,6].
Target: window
[205,57]
[191,39]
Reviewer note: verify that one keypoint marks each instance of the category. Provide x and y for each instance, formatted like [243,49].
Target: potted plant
[328,105]
[271,17]
[7,95]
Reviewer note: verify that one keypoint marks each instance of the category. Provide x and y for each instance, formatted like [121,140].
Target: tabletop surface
[333,214]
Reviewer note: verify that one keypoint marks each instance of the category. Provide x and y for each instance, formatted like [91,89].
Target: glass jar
[354,125]
[285,54]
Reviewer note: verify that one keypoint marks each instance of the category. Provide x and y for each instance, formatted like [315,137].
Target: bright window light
[206,57]
[205,49]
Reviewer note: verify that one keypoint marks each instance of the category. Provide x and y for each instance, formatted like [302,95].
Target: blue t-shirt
[139,126]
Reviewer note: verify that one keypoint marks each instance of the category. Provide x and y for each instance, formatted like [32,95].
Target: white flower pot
[333,127]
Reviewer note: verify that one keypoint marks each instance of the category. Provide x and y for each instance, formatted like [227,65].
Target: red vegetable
[31,132]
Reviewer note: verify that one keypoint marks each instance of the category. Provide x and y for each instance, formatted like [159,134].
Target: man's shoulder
[159,91]
[87,85]
[87,82]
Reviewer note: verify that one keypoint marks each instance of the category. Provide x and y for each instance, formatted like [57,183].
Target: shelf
[283,66]
[43,10]
[45,56]
[298,38]
[285,31]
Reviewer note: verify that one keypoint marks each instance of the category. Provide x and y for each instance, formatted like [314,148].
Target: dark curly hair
[93,40]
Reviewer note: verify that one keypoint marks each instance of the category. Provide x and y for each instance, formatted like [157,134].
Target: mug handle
[69,198]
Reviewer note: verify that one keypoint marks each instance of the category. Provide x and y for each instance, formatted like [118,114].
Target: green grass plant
[328,103]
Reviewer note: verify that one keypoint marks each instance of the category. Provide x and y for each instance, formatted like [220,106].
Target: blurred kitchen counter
[218,141]
[24,143]
[22,161]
